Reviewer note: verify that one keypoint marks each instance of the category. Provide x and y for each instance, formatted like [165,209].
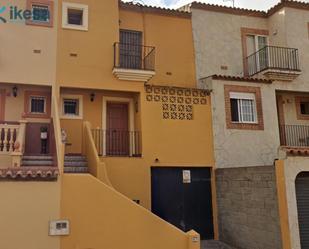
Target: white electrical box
[59,227]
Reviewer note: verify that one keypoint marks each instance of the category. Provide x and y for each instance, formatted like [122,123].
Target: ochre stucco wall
[19,63]
[100,217]
[26,209]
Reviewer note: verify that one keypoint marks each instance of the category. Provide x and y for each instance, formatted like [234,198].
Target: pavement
[214,244]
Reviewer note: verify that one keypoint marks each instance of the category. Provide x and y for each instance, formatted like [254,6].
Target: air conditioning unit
[59,228]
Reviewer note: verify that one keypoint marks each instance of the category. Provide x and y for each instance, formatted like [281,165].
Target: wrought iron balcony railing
[132,56]
[273,58]
[117,143]
[294,135]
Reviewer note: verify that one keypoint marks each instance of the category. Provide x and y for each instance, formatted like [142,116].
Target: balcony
[294,135]
[117,143]
[276,63]
[134,62]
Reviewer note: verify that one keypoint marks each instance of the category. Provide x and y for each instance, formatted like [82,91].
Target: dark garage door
[182,196]
[302,195]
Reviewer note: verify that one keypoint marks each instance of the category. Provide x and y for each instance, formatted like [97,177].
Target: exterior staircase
[37,161]
[75,164]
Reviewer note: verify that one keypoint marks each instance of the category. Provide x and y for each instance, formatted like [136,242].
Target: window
[75,16]
[304,108]
[37,105]
[243,108]
[42,12]
[72,106]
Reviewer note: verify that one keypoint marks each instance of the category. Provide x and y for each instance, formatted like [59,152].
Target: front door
[117,132]
[182,197]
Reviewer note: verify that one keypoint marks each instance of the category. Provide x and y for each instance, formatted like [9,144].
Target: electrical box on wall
[59,227]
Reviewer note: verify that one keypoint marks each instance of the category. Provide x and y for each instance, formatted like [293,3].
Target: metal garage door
[182,196]
[302,195]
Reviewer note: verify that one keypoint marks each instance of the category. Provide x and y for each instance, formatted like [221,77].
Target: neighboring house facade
[134,119]
[29,185]
[255,64]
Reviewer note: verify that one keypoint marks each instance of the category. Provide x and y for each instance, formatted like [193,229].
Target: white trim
[80,106]
[83,7]
[130,101]
[133,74]
[239,95]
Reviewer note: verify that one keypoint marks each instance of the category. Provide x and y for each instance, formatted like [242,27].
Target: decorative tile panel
[177,103]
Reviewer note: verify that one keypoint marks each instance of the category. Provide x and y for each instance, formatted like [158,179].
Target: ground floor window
[243,107]
[72,106]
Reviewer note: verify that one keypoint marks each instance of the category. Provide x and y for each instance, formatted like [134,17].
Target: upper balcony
[276,63]
[134,62]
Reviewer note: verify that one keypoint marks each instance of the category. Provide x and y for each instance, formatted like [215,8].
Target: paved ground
[213,244]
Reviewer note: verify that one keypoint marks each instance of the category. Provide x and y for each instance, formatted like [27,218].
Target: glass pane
[70,106]
[75,16]
[304,108]
[248,110]
[37,105]
[250,44]
[262,42]
[40,13]
[234,110]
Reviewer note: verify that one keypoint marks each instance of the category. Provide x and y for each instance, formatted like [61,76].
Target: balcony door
[256,44]
[130,53]
[117,132]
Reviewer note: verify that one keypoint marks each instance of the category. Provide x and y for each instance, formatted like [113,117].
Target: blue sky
[250,4]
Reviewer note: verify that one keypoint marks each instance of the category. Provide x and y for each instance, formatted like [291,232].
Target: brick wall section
[248,207]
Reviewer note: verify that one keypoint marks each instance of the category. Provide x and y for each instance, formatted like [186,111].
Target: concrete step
[40,158]
[37,163]
[75,158]
[75,164]
[75,170]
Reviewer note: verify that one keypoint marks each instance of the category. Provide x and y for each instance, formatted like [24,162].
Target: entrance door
[302,196]
[130,49]
[182,201]
[117,133]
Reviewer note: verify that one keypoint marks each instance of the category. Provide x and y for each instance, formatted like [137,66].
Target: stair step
[75,164]
[40,158]
[37,163]
[75,158]
[75,170]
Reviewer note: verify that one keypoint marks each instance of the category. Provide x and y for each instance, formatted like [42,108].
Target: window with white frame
[75,16]
[243,107]
[72,106]
[37,105]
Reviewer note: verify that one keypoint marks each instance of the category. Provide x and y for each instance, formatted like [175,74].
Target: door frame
[130,103]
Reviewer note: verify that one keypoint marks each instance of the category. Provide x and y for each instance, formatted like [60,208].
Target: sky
[249,4]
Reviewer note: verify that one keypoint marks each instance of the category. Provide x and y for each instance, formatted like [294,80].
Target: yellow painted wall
[26,209]
[14,106]
[100,217]
[19,62]
[92,68]
[172,37]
